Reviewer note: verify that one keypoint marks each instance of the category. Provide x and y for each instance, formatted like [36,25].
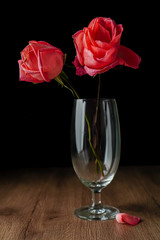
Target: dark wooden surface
[38,204]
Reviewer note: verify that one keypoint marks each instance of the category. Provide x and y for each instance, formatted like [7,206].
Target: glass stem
[96,198]
[96,206]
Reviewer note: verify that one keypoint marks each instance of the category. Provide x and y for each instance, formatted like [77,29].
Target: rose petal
[128,58]
[45,43]
[116,39]
[79,69]
[105,26]
[50,63]
[93,72]
[92,61]
[23,76]
[108,23]
[132,220]
[98,52]
[126,218]
[39,45]
[101,33]
[78,42]
[88,35]
[119,218]
[103,45]
[109,57]
[89,59]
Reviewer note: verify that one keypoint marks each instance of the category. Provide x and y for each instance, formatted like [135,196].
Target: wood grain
[38,204]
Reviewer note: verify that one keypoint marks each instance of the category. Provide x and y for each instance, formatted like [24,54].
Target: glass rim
[95,99]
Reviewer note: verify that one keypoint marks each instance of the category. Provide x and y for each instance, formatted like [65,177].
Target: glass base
[105,213]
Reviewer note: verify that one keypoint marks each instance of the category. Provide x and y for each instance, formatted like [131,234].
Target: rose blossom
[40,61]
[98,48]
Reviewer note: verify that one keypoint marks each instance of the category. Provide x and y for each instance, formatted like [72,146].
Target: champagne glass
[95,150]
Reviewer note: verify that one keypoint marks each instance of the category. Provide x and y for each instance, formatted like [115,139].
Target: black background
[35,127]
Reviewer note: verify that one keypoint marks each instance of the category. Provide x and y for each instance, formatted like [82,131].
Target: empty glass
[95,150]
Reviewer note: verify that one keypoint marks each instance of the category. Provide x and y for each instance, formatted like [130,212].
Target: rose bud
[40,61]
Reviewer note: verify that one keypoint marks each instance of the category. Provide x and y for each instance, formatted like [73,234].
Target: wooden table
[38,204]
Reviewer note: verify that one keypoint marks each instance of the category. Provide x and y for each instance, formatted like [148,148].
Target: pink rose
[40,62]
[98,48]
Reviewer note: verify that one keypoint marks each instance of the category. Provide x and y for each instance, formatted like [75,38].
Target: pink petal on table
[119,218]
[126,218]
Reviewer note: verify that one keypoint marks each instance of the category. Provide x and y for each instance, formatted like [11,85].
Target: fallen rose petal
[132,220]
[126,218]
[119,218]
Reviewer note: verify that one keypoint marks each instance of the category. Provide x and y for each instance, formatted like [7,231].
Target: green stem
[73,91]
[98,96]
[97,161]
[58,79]
[69,66]
[76,94]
